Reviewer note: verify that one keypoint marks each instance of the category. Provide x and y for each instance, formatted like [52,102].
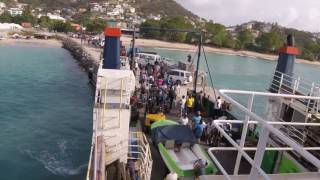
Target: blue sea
[46,106]
[45,114]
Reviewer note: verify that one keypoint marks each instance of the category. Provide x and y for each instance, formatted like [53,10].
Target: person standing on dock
[198,130]
[190,101]
[217,107]
[197,118]
[184,120]
[171,96]
[182,105]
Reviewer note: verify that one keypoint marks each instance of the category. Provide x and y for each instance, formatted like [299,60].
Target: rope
[211,81]
[194,56]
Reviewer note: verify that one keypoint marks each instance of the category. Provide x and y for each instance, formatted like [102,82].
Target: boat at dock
[275,132]
[180,151]
[117,150]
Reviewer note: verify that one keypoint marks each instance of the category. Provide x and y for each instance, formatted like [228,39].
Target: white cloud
[301,14]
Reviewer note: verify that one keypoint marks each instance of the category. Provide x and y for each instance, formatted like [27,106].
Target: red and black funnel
[111,52]
[285,66]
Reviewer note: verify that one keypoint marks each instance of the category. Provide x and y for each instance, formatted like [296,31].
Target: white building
[9,27]
[21,5]
[53,17]
[15,11]
[132,10]
[2,5]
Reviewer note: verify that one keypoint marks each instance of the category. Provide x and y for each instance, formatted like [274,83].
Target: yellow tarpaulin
[154,117]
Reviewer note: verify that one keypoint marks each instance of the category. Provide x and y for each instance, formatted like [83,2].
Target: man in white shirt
[182,105]
[217,107]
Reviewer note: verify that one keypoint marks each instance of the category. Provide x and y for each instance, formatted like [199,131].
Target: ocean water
[45,114]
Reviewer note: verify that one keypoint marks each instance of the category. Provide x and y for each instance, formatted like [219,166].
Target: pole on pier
[198,63]
[133,49]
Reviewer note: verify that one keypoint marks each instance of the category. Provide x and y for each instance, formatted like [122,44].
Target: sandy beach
[33,42]
[192,48]
[151,43]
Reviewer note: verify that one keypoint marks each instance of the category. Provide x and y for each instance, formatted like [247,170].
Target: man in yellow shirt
[189,103]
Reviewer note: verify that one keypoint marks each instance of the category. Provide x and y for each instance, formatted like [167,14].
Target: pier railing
[268,126]
[284,84]
[140,154]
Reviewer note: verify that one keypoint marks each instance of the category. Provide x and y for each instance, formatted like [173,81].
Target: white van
[145,58]
[180,76]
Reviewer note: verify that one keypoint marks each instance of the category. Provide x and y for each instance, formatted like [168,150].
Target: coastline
[33,42]
[152,43]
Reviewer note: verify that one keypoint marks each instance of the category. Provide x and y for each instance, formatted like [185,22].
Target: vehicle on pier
[180,77]
[144,58]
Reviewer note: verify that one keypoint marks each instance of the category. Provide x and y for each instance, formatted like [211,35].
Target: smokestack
[287,56]
[111,52]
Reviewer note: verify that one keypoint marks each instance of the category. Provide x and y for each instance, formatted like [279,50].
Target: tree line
[92,25]
[216,34]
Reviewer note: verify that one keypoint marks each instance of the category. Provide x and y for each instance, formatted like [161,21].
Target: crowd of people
[162,95]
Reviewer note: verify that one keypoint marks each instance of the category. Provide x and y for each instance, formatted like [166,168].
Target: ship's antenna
[133,48]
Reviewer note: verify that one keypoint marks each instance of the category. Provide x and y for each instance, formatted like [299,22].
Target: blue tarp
[178,133]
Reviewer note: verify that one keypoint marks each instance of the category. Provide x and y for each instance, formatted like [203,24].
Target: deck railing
[268,126]
[285,84]
[139,152]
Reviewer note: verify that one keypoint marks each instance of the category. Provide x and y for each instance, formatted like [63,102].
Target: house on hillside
[15,11]
[21,5]
[266,27]
[2,7]
[248,25]
[76,27]
[26,25]
[6,27]
[53,17]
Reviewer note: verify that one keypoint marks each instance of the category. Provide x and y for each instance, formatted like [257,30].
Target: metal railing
[141,154]
[267,128]
[285,84]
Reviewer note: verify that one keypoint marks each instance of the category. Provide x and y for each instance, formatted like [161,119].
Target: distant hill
[164,8]
[143,7]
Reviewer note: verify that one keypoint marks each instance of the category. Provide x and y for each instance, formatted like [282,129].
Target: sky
[299,14]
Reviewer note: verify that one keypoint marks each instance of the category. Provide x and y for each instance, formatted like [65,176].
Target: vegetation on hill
[217,35]
[144,8]
[168,8]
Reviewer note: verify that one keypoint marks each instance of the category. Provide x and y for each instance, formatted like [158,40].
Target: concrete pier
[88,57]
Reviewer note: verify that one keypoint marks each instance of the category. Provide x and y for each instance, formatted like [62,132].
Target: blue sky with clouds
[300,14]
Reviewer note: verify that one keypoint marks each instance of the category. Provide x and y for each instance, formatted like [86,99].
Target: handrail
[283,83]
[143,152]
[267,127]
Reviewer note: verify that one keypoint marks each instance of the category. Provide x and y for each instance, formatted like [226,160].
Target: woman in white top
[184,119]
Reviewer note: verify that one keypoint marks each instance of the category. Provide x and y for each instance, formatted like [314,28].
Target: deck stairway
[284,84]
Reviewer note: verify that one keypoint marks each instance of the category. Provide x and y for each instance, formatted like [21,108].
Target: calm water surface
[45,114]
